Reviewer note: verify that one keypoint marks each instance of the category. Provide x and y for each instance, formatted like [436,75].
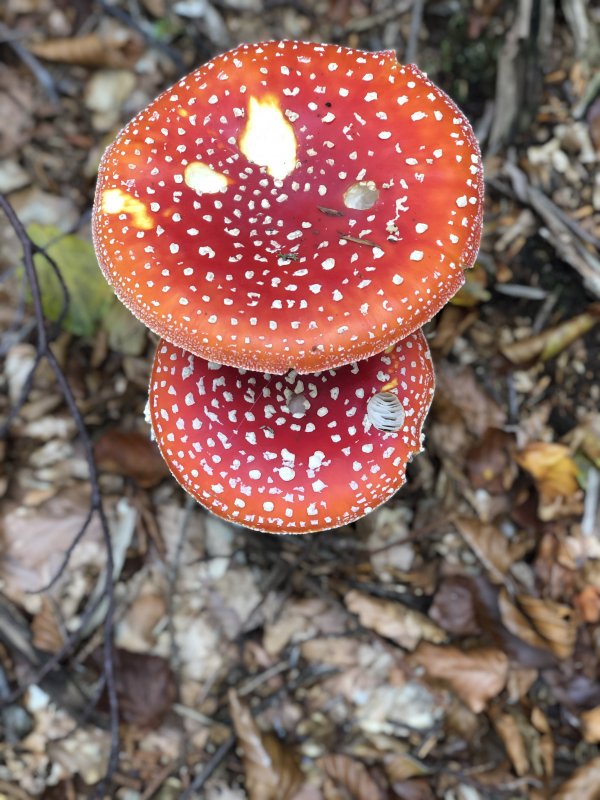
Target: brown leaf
[272,771]
[415,789]
[584,783]
[588,437]
[476,676]
[552,468]
[590,723]
[552,341]
[45,628]
[554,621]
[587,603]
[510,732]
[453,606]
[490,462]
[132,455]
[393,620]
[474,290]
[517,623]
[451,323]
[458,387]
[34,541]
[145,687]
[353,776]
[402,766]
[89,50]
[545,742]
[137,630]
[489,544]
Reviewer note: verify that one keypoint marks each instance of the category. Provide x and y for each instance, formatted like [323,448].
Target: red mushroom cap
[290,454]
[291,205]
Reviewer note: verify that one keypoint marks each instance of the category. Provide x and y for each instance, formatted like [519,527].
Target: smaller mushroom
[291,454]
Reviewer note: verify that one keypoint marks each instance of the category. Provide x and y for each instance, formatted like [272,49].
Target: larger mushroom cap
[291,205]
[291,454]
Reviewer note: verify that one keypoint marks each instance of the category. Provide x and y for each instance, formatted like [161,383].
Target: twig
[374,20]
[416,21]
[187,512]
[115,11]
[44,351]
[43,77]
[67,556]
[567,237]
[211,765]
[589,520]
[22,398]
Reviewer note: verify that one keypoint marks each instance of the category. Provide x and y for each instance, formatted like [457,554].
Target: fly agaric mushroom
[291,454]
[291,205]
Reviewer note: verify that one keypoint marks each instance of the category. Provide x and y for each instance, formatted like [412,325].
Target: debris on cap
[291,454]
[291,205]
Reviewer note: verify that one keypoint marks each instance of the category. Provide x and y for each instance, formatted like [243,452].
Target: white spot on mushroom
[203,179]
[268,138]
[361,196]
[287,474]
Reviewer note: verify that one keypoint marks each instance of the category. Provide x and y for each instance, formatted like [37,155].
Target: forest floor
[445,646]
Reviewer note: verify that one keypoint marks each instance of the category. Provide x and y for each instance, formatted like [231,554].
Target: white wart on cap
[291,454]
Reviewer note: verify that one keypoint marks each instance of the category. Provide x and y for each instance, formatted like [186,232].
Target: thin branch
[416,22]
[43,77]
[44,351]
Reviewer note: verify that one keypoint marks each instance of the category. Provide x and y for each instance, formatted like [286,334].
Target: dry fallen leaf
[476,676]
[517,623]
[272,772]
[403,625]
[46,629]
[489,544]
[301,619]
[554,621]
[89,50]
[145,686]
[136,631]
[414,789]
[353,776]
[458,387]
[590,724]
[131,454]
[583,784]
[587,602]
[551,342]
[545,750]
[490,462]
[453,606]
[588,436]
[402,766]
[510,732]
[552,468]
[84,751]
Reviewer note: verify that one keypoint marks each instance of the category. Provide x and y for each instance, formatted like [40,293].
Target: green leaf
[126,334]
[90,295]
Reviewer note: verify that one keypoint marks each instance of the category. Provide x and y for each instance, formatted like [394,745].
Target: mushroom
[291,454]
[291,205]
